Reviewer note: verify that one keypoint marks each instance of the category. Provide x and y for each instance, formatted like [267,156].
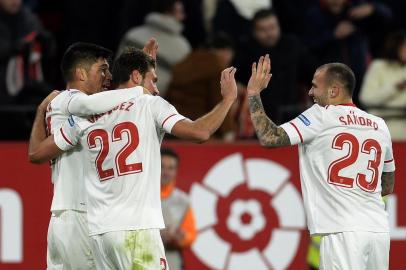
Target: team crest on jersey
[304,120]
[71,121]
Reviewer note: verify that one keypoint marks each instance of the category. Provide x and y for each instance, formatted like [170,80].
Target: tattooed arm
[388,182]
[269,134]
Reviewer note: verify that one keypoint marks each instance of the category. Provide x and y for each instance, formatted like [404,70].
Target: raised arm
[83,105]
[388,182]
[269,134]
[201,129]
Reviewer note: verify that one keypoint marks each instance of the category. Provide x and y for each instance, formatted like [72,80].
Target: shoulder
[64,96]
[316,108]
[312,115]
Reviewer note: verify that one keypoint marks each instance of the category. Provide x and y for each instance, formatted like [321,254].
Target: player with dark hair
[121,151]
[86,70]
[346,166]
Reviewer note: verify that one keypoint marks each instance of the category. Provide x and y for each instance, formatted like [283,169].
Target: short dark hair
[341,73]
[220,40]
[392,45]
[169,152]
[261,14]
[131,59]
[81,53]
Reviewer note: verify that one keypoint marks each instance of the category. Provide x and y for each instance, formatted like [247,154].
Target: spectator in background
[23,44]
[385,86]
[234,16]
[291,63]
[336,32]
[194,88]
[291,15]
[166,26]
[180,230]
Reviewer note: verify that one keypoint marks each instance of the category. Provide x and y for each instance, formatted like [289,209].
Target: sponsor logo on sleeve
[71,121]
[304,120]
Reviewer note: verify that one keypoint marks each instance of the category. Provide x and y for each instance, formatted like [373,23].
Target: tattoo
[388,181]
[269,134]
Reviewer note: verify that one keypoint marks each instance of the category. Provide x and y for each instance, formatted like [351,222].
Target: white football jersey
[67,169]
[342,154]
[122,162]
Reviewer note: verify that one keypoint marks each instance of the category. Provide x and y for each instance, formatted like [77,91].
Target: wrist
[229,101]
[252,94]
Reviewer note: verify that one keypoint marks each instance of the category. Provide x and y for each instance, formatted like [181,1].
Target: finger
[270,65]
[267,64]
[260,65]
[223,74]
[232,73]
[267,80]
[227,76]
[254,68]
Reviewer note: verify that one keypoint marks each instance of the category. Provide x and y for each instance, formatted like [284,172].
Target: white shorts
[69,242]
[355,250]
[123,250]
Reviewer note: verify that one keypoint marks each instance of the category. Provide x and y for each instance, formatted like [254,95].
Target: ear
[81,74]
[136,77]
[334,91]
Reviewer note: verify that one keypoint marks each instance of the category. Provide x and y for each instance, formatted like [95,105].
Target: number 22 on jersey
[336,166]
[102,137]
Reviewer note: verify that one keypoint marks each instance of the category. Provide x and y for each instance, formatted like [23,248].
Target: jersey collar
[348,104]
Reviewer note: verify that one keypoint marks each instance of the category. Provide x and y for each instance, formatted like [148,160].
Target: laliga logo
[248,214]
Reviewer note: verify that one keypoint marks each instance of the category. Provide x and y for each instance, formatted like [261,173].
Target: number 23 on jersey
[367,147]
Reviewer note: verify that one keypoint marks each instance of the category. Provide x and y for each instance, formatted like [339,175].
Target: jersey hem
[131,228]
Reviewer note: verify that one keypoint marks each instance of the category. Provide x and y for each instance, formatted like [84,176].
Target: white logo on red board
[248,214]
[11,226]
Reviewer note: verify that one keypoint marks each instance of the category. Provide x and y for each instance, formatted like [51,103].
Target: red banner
[246,199]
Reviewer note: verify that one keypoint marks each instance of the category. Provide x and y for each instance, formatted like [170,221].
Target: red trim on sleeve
[66,139]
[387,161]
[300,135]
[163,123]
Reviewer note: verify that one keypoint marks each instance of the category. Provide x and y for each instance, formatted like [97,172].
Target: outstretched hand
[260,76]
[228,84]
[151,48]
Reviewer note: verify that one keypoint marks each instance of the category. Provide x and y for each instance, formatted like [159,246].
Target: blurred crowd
[199,38]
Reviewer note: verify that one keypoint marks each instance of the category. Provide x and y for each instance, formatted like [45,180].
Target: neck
[79,86]
[342,101]
[127,84]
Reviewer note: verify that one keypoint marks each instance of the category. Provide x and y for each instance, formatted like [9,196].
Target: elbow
[34,158]
[267,144]
[201,136]
[387,192]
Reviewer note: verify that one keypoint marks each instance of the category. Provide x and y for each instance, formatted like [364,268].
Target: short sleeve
[306,126]
[389,162]
[68,135]
[165,115]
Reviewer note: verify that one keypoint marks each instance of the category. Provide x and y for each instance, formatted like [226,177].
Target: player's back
[341,169]
[123,164]
[67,170]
